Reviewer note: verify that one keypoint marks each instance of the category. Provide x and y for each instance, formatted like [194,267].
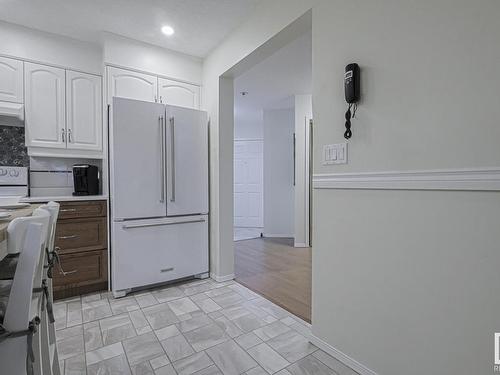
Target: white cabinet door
[248,183]
[187,167]
[83,111]
[11,80]
[153,251]
[178,93]
[45,106]
[131,85]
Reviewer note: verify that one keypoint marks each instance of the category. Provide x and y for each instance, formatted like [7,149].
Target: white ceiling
[272,83]
[200,25]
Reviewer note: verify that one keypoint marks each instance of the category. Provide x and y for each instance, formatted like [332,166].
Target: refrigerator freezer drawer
[152,251]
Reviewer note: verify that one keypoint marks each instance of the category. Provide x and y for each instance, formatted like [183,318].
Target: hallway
[275,269]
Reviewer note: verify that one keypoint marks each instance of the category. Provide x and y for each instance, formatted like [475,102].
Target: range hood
[8,109]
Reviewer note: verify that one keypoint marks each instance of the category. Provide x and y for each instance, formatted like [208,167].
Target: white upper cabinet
[178,93]
[131,85]
[11,80]
[83,111]
[45,106]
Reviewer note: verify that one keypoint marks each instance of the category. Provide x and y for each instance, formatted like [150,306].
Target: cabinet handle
[58,260]
[69,136]
[68,237]
[68,210]
[63,135]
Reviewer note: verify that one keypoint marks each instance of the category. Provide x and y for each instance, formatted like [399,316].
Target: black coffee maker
[85,179]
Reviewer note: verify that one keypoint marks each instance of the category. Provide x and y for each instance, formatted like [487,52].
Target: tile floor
[199,327]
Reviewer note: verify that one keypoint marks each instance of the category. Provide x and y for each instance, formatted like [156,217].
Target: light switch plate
[335,153]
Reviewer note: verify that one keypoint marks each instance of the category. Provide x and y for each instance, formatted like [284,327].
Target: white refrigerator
[158,193]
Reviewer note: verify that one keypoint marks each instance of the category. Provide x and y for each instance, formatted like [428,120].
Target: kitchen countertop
[21,212]
[65,198]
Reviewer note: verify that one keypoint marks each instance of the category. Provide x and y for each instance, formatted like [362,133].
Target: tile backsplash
[54,176]
[13,150]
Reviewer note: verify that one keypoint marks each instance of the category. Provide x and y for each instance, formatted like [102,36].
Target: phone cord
[348,132]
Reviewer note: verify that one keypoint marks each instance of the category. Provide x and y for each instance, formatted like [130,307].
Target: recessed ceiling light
[167,30]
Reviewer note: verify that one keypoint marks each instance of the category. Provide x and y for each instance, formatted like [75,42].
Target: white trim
[40,62]
[221,279]
[344,358]
[65,153]
[153,74]
[277,235]
[478,179]
[249,139]
[297,244]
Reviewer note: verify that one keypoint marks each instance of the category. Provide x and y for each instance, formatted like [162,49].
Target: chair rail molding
[473,179]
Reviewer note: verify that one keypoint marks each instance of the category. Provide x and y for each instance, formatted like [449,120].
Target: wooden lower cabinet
[85,272]
[81,241]
[79,235]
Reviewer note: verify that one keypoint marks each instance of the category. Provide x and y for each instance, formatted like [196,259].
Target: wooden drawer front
[72,210]
[81,235]
[82,268]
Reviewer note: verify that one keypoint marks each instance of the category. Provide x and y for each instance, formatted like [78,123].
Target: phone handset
[351,87]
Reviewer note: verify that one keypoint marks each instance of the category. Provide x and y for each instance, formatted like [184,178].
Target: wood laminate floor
[275,269]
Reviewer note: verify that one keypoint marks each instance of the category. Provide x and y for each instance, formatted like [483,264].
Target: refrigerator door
[187,167]
[158,250]
[137,159]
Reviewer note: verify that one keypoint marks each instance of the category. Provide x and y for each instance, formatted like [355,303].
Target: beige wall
[38,46]
[406,282]
[430,82]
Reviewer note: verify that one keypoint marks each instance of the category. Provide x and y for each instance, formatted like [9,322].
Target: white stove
[13,181]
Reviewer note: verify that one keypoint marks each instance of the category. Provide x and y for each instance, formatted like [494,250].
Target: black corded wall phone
[351,86]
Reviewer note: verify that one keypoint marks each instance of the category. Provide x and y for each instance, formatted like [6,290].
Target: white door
[83,111]
[11,80]
[179,93]
[132,85]
[187,167]
[158,250]
[248,183]
[45,106]
[137,157]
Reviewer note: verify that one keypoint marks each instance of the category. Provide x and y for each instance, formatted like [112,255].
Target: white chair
[50,359]
[53,209]
[20,349]
[17,229]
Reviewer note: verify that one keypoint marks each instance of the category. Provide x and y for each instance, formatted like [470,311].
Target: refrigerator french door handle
[132,226]
[162,159]
[172,158]
[294,157]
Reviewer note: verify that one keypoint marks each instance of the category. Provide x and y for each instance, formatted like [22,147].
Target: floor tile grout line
[242,293]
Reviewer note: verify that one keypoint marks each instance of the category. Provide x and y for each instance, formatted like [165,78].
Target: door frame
[220,105]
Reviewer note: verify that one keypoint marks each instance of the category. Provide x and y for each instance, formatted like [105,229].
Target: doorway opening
[272,142]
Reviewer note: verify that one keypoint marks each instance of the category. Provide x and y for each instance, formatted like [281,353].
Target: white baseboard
[221,279]
[278,235]
[344,358]
[299,244]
